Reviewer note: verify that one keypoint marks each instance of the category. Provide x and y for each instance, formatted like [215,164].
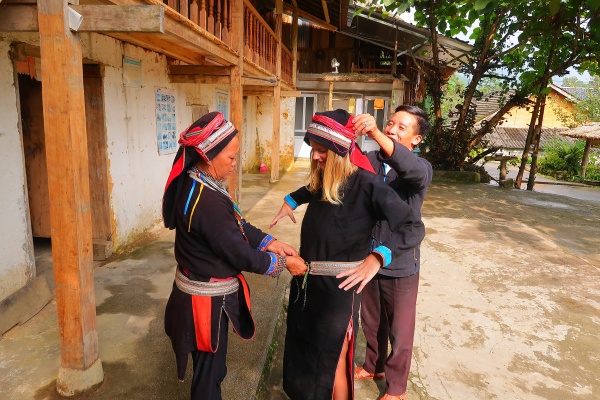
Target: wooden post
[586,156]
[294,42]
[277,95]
[330,104]
[70,211]
[236,90]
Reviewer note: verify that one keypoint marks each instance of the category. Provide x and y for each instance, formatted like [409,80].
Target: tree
[588,108]
[521,44]
[572,81]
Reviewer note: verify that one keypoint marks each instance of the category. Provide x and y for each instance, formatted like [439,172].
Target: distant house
[362,63]
[511,134]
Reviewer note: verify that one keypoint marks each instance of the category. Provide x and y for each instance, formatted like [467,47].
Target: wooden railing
[260,42]
[287,65]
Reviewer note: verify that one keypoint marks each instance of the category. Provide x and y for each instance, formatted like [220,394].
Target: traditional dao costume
[334,238]
[213,245]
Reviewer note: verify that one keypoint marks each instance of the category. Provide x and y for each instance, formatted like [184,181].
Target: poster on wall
[165,121]
[223,103]
[132,72]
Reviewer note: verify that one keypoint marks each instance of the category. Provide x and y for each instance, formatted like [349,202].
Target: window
[305,109]
[380,115]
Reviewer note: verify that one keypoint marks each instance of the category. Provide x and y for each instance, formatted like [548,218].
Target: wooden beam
[330,102]
[236,99]
[294,42]
[346,78]
[129,18]
[309,17]
[70,212]
[256,81]
[258,92]
[185,30]
[18,18]
[207,79]
[22,51]
[291,93]
[96,18]
[224,70]
[586,156]
[325,11]
[275,149]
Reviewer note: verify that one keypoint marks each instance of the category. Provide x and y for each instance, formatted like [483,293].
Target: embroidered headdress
[204,139]
[333,129]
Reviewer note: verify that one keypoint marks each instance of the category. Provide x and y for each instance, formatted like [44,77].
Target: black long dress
[211,242]
[319,315]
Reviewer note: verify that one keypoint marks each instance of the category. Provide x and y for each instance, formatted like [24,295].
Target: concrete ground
[509,306]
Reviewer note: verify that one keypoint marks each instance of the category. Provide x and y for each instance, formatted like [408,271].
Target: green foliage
[562,158]
[521,43]
[588,109]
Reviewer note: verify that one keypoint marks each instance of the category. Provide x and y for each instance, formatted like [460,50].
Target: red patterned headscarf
[333,129]
[204,139]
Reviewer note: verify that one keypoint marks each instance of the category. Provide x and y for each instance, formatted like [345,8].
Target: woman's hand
[295,265]
[361,274]
[281,249]
[285,210]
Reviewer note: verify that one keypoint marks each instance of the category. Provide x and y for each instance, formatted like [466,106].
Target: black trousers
[388,311]
[210,368]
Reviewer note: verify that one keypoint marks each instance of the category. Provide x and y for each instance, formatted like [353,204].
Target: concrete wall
[16,250]
[136,169]
[264,124]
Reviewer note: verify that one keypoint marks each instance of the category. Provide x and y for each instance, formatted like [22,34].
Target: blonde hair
[332,178]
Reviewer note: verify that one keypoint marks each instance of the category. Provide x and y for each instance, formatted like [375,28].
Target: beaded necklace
[217,185]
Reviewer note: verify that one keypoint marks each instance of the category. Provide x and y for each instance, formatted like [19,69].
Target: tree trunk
[528,141]
[537,137]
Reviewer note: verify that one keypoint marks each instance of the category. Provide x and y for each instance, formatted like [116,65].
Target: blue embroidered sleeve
[385,253]
[277,265]
[265,243]
[288,199]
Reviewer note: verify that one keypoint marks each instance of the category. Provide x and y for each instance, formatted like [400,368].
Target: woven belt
[219,288]
[331,268]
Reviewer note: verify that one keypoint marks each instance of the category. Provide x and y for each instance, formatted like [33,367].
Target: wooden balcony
[213,19]
[195,32]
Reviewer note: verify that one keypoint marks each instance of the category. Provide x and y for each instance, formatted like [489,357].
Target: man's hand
[364,124]
[282,249]
[361,274]
[295,265]
[285,210]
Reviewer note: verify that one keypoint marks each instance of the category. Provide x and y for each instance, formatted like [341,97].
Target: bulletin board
[165,121]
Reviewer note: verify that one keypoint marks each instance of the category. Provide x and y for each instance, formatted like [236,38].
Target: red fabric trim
[360,160]
[246,290]
[350,356]
[176,170]
[201,309]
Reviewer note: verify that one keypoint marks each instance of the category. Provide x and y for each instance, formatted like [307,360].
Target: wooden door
[30,91]
[96,141]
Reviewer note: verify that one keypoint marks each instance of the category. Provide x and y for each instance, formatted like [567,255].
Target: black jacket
[410,177]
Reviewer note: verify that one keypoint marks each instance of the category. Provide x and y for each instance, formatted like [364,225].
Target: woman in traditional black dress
[344,203]
[213,245]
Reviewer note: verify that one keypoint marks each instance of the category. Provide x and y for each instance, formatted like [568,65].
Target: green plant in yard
[562,160]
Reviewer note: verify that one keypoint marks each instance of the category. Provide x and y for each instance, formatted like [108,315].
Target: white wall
[264,122]
[137,172]
[16,250]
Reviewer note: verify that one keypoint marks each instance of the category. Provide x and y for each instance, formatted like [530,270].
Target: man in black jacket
[389,300]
